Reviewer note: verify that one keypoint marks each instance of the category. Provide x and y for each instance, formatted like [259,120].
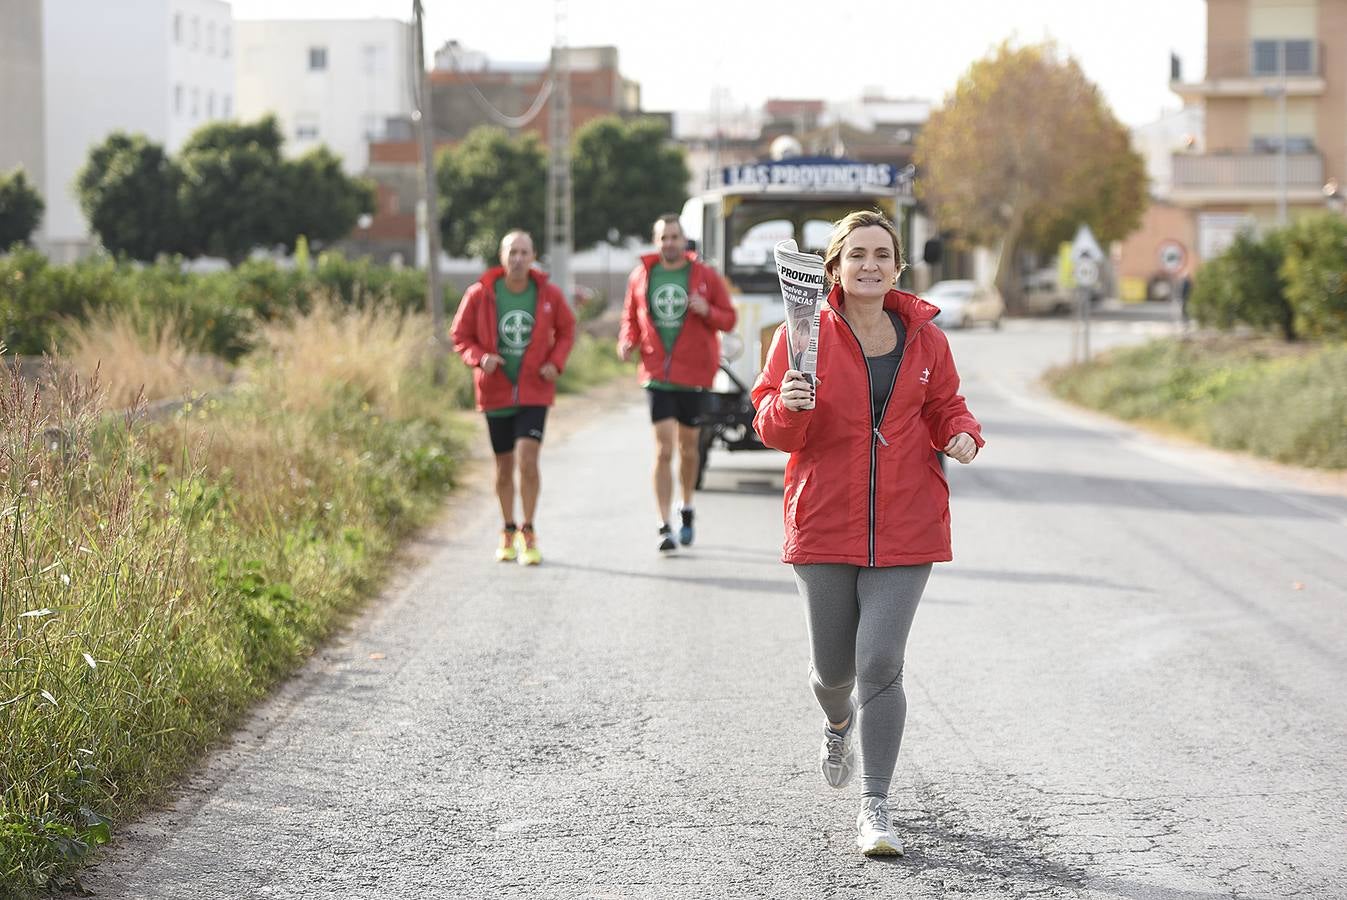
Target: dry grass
[367,349]
[132,360]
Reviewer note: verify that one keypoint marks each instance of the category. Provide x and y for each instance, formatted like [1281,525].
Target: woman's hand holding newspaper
[797,394]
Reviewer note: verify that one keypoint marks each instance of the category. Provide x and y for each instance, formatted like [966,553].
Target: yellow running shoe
[527,542]
[509,538]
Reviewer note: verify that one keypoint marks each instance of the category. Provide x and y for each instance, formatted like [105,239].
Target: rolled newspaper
[803,289]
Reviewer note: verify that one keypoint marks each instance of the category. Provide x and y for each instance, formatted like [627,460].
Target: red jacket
[475,335]
[854,493]
[696,353]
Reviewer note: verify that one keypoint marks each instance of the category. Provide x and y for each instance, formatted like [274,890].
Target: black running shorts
[683,405]
[505,430]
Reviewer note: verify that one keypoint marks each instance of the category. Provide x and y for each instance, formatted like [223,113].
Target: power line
[490,109]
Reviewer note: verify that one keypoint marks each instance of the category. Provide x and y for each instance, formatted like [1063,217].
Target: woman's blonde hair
[861,218]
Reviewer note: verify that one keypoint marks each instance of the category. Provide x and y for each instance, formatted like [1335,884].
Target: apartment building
[1274,102]
[161,68]
[22,135]
[328,82]
[468,90]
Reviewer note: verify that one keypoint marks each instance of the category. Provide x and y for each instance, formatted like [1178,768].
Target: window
[306,127]
[210,105]
[196,103]
[1297,55]
[224,41]
[374,57]
[1271,143]
[196,32]
[225,110]
[177,28]
[317,59]
[210,37]
[370,124]
[177,99]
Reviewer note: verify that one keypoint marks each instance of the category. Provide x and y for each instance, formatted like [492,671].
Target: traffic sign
[1085,246]
[1087,272]
[1172,257]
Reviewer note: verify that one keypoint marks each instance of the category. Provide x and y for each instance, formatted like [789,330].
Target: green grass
[1286,402]
[158,578]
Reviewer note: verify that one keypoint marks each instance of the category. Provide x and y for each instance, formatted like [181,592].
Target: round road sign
[1172,257]
[1087,272]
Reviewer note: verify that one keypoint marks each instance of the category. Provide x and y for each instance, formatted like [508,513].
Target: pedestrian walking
[866,503]
[673,312]
[515,330]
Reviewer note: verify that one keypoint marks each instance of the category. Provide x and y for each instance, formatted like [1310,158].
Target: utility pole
[560,213]
[1281,149]
[422,116]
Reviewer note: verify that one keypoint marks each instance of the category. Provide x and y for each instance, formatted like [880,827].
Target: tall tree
[625,175]
[233,195]
[128,190]
[322,202]
[21,208]
[1024,149]
[489,184]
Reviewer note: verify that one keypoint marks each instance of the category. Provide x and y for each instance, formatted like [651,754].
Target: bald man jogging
[515,330]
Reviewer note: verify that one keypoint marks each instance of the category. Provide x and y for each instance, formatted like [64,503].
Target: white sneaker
[874,829]
[837,756]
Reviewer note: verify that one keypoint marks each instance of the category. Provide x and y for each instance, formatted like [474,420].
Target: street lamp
[1334,197]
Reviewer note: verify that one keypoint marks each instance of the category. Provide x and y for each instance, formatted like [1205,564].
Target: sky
[683,53]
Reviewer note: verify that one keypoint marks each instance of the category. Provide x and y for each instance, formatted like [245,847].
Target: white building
[1176,131]
[876,112]
[161,68]
[333,82]
[21,112]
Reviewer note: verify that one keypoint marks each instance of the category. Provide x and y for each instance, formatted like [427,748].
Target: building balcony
[1246,178]
[1258,68]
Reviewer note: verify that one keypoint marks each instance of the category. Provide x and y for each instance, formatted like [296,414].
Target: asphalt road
[1129,684]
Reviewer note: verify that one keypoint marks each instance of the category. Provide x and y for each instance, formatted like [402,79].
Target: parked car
[964,303]
[1043,295]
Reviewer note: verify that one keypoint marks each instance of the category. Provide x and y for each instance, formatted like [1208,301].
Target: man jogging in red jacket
[674,308]
[515,330]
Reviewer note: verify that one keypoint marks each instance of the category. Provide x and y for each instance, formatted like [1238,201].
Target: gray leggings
[859,619]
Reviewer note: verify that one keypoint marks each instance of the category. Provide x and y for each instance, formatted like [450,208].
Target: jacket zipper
[876,437]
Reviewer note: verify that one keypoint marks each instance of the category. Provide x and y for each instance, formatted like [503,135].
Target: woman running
[866,504]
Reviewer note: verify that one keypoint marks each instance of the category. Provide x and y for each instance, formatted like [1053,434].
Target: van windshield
[756,225]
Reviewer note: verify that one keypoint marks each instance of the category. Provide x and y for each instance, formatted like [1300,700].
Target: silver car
[963,303]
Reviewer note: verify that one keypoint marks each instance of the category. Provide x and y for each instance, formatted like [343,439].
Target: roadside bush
[1244,286]
[216,313]
[1314,273]
[1281,401]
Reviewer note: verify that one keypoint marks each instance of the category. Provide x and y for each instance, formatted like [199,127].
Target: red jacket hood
[649,259]
[497,273]
[910,308]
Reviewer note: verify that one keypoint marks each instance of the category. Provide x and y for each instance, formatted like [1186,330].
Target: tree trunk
[1007,281]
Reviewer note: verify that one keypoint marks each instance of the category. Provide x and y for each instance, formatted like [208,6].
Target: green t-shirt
[668,298]
[514,330]
[514,324]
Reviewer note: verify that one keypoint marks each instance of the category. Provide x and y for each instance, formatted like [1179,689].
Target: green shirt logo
[669,303]
[516,329]
[514,325]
